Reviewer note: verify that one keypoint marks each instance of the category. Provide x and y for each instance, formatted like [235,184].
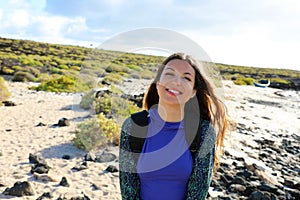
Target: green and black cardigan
[199,180]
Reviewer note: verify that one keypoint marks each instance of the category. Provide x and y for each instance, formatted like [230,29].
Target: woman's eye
[187,78]
[168,74]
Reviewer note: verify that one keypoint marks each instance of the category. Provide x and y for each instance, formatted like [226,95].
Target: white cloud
[19,18]
[47,25]
[262,33]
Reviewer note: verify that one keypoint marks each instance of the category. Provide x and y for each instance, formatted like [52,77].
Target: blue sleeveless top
[165,164]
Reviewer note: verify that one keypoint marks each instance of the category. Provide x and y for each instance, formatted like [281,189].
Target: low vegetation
[4,93]
[63,68]
[111,110]
[96,133]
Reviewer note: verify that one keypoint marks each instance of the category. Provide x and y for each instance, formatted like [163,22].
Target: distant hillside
[35,61]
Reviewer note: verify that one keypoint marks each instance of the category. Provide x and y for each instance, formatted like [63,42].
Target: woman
[183,113]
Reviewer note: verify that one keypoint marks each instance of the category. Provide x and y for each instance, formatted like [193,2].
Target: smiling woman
[173,145]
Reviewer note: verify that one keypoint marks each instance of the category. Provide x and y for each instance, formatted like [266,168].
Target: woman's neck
[170,114]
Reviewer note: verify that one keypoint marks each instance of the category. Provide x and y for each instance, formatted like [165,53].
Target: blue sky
[260,33]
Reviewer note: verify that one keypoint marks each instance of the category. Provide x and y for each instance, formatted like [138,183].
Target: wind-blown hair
[209,104]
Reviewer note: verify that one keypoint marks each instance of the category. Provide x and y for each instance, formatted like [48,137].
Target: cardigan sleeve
[200,179]
[129,180]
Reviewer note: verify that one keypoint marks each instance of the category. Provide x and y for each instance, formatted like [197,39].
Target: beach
[30,127]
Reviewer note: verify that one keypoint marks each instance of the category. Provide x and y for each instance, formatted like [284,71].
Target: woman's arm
[203,164]
[129,180]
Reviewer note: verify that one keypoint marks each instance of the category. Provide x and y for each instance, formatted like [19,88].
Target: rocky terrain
[38,160]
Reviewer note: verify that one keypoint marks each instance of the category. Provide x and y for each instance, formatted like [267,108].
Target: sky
[258,33]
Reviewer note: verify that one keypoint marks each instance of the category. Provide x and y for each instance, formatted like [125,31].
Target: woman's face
[176,84]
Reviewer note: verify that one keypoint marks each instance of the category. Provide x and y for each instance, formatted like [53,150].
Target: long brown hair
[210,105]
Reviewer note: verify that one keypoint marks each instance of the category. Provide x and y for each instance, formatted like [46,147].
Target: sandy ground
[270,110]
[20,136]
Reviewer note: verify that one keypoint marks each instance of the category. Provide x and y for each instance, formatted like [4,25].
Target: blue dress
[165,164]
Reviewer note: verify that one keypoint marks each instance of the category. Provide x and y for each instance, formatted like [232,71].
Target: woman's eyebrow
[170,68]
[187,73]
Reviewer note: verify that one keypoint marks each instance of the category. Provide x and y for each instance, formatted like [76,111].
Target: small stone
[34,158]
[63,122]
[90,157]
[256,195]
[41,124]
[111,169]
[66,157]
[47,195]
[238,180]
[105,157]
[64,182]
[80,167]
[237,188]
[8,103]
[20,189]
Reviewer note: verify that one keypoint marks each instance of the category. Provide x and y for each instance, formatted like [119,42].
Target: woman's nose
[177,80]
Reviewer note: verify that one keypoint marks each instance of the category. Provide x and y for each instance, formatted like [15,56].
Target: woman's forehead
[180,66]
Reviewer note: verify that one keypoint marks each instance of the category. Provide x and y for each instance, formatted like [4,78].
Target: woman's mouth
[173,92]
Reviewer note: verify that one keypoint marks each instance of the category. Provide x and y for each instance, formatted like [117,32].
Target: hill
[26,60]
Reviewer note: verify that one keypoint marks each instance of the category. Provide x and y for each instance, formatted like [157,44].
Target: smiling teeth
[174,91]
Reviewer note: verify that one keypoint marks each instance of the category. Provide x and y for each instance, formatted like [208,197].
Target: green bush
[147,75]
[61,84]
[96,133]
[34,71]
[244,81]
[23,77]
[87,100]
[7,71]
[122,108]
[4,93]
[135,67]
[110,105]
[62,67]
[102,104]
[113,78]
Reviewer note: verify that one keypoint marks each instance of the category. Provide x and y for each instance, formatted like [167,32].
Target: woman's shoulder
[126,123]
[138,118]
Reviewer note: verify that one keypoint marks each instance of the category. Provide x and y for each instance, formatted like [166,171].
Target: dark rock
[111,169]
[105,157]
[249,190]
[102,92]
[41,124]
[238,180]
[40,169]
[40,166]
[80,167]
[81,198]
[225,181]
[90,157]
[8,103]
[256,195]
[105,82]
[268,188]
[246,174]
[46,195]
[237,188]
[64,182]
[66,157]
[63,122]
[20,189]
[36,159]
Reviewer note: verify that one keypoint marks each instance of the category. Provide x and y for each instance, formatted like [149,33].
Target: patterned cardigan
[199,180]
